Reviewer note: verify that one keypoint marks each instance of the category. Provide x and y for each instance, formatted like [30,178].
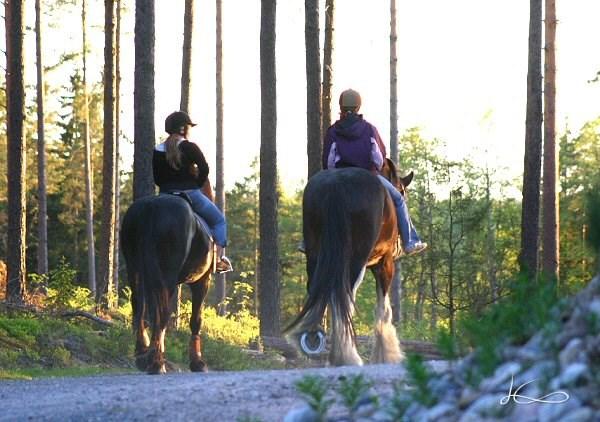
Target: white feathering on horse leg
[387,347]
[161,340]
[343,348]
[358,282]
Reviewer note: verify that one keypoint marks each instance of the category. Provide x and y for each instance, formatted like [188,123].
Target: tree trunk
[490,240]
[396,282]
[328,63]
[108,161]
[89,196]
[117,153]
[393,84]
[528,259]
[313,86]
[15,134]
[550,232]
[42,261]
[221,280]
[186,61]
[143,99]
[269,249]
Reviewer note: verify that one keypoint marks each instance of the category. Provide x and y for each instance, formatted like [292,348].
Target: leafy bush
[352,389]
[419,376]
[314,390]
[62,291]
[513,319]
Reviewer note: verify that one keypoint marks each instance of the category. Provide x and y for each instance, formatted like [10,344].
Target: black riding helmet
[177,121]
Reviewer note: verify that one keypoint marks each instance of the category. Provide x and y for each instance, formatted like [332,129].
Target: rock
[528,354]
[488,405]
[584,414]
[444,388]
[573,374]
[468,396]
[439,411]
[594,307]
[381,416]
[303,413]
[501,378]
[571,353]
[555,412]
[365,407]
[542,371]
[525,412]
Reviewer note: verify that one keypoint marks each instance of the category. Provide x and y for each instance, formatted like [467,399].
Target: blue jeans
[405,226]
[213,216]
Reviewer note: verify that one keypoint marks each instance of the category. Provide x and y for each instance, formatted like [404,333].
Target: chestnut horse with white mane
[349,225]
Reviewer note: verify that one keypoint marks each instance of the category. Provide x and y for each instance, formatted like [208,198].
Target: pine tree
[328,64]
[186,58]
[528,258]
[220,282]
[109,158]
[550,232]
[313,86]
[269,285]
[143,99]
[42,264]
[15,119]
[89,182]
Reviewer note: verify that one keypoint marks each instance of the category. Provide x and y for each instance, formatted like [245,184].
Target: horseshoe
[306,348]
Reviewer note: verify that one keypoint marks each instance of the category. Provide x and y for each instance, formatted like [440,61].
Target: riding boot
[223,263]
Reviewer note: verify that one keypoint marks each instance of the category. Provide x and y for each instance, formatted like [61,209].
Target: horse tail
[153,288]
[331,280]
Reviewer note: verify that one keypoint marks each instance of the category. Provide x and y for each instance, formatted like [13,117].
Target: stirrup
[398,249]
[223,265]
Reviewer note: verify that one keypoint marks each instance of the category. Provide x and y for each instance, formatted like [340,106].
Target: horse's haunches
[163,244]
[349,225]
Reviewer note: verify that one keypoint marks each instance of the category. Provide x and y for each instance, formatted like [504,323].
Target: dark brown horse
[164,246]
[349,225]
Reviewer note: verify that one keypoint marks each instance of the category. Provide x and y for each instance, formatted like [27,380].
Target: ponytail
[173,153]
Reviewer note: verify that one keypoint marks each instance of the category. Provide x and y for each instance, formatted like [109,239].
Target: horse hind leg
[343,342]
[142,341]
[199,291]
[387,347]
[160,319]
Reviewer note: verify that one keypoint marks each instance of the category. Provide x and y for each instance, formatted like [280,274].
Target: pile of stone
[555,376]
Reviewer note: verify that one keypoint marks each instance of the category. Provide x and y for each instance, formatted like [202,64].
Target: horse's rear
[349,223]
[162,247]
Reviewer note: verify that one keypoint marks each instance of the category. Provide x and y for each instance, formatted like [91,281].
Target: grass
[33,346]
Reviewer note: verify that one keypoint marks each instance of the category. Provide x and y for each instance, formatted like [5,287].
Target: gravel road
[213,396]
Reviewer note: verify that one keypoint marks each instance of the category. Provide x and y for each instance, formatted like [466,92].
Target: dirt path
[213,397]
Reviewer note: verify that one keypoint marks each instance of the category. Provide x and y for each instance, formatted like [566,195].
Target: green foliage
[352,389]
[419,376]
[314,389]
[593,211]
[63,293]
[514,319]
[447,345]
[236,329]
[249,418]
[399,403]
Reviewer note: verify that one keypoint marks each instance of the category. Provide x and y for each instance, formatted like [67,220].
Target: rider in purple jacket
[354,142]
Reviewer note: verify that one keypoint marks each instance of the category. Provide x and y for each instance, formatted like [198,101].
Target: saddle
[199,220]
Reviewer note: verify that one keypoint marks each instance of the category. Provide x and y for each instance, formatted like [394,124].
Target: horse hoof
[156,369]
[198,366]
[141,362]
